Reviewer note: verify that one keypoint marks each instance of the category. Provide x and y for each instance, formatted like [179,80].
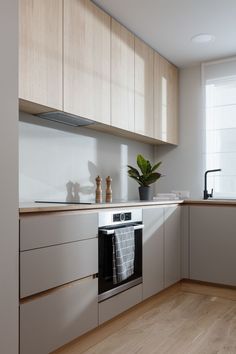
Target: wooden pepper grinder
[99,190]
[108,190]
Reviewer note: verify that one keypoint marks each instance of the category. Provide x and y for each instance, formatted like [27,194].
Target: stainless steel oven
[109,221]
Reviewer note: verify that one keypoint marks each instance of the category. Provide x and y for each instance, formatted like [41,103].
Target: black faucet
[207,195]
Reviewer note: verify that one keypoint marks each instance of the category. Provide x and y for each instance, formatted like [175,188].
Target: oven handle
[110,232]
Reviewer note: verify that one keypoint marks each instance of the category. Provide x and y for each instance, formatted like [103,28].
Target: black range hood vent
[66,118]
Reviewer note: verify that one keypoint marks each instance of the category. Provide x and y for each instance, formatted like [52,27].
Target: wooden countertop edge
[90,207]
[210,202]
[73,207]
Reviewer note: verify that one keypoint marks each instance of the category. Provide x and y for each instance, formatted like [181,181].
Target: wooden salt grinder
[108,190]
[99,190]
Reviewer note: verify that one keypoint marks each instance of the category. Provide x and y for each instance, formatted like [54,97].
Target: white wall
[57,161]
[9,177]
[184,165]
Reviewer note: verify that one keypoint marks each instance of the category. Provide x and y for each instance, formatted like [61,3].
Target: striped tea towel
[123,247]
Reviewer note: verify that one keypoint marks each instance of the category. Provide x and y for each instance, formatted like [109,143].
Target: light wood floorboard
[184,319]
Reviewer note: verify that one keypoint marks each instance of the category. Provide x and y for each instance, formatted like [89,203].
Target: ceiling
[168,25]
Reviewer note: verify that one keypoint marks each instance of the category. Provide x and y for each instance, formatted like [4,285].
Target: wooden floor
[184,319]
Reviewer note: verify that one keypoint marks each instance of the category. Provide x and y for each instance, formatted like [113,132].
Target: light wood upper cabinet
[40,52]
[165,100]
[173,105]
[75,58]
[86,60]
[160,129]
[122,77]
[144,57]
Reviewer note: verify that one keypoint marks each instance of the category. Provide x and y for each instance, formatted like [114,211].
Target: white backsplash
[59,162]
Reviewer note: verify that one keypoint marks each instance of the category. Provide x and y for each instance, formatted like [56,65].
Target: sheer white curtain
[219,83]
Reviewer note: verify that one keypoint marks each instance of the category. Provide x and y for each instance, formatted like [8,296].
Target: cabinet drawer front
[153,251]
[172,245]
[213,244]
[46,230]
[50,321]
[46,268]
[119,303]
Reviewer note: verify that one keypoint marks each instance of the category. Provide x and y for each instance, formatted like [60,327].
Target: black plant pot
[144,193]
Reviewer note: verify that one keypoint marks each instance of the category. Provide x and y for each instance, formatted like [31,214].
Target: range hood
[66,118]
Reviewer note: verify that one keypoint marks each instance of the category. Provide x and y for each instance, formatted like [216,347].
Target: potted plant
[146,177]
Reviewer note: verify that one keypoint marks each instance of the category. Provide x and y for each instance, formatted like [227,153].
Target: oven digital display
[121,217]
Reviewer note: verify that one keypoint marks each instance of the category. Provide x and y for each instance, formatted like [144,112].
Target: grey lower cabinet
[213,244]
[59,293]
[161,248]
[58,287]
[48,267]
[172,245]
[51,320]
[42,230]
[119,303]
[153,250]
[185,242]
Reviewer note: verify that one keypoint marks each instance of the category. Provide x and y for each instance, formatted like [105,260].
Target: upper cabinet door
[144,56]
[160,125]
[122,77]
[40,52]
[165,100]
[86,60]
[173,136]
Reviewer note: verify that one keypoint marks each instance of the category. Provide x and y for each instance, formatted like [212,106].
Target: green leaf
[153,177]
[142,164]
[149,167]
[137,180]
[133,174]
[156,166]
[143,181]
[133,170]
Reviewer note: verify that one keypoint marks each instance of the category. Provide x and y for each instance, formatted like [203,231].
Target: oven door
[106,288]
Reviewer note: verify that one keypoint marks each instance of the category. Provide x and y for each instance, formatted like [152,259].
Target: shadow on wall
[93,171]
[75,191]
[72,192]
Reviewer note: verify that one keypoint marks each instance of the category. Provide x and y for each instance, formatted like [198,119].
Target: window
[220,126]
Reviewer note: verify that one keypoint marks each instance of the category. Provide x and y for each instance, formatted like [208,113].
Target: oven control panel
[122,217]
[116,217]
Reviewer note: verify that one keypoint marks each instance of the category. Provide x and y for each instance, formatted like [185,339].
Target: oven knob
[122,216]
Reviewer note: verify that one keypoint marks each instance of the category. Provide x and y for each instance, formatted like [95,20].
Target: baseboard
[211,289]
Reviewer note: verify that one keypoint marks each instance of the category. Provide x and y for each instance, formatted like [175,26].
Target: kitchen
[58,162]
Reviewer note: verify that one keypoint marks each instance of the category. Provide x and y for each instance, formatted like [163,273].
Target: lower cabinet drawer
[45,268]
[43,230]
[49,321]
[119,303]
